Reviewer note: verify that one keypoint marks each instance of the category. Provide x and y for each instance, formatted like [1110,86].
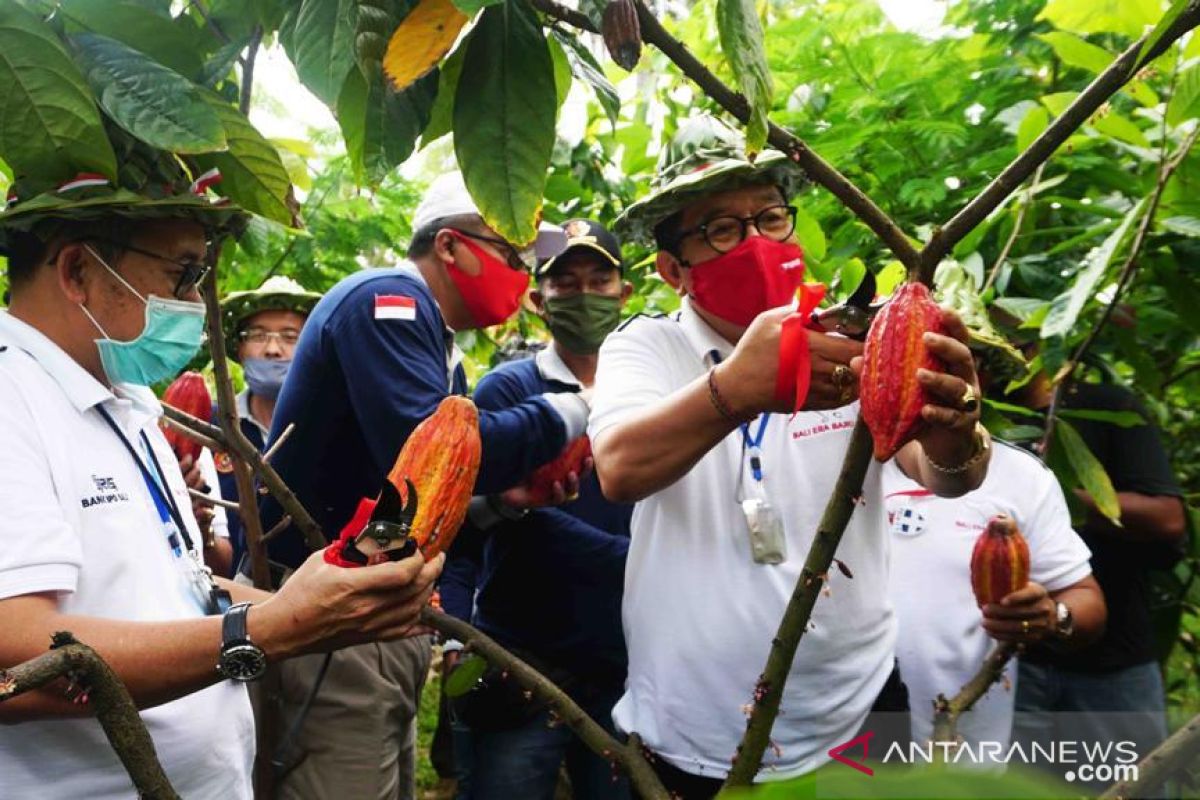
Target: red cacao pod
[188,393]
[541,482]
[622,33]
[441,458]
[895,348]
[1000,561]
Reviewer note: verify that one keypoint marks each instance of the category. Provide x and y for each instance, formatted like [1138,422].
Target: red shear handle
[794,377]
[362,515]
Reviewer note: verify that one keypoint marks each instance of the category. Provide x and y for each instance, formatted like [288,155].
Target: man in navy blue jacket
[375,358]
[547,584]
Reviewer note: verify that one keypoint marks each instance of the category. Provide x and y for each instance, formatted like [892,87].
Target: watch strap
[233,624]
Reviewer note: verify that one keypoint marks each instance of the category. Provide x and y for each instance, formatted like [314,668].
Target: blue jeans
[523,762]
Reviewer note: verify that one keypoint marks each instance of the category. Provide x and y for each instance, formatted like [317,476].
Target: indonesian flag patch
[395,306]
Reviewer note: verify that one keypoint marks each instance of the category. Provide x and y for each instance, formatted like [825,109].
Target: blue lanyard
[753,445]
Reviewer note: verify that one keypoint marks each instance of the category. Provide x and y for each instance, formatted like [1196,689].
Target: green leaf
[374,22]
[442,116]
[851,275]
[741,36]
[1127,17]
[1067,306]
[252,173]
[888,278]
[1119,127]
[810,235]
[1058,101]
[1185,103]
[1090,472]
[174,43]
[470,7]
[380,125]
[1187,226]
[49,124]
[1035,121]
[1168,19]
[504,114]
[465,675]
[155,104]
[321,46]
[1077,52]
[587,69]
[1124,419]
[562,71]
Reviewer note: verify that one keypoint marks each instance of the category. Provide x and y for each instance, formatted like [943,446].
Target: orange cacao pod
[895,348]
[1000,561]
[188,393]
[441,458]
[541,482]
[622,33]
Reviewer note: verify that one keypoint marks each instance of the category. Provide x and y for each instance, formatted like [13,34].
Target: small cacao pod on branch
[895,348]
[441,459]
[188,393]
[622,33]
[541,482]
[1000,561]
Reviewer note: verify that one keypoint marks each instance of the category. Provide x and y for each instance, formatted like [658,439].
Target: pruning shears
[853,317]
[387,531]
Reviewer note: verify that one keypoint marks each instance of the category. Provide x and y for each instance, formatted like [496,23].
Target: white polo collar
[702,338]
[77,383]
[552,368]
[242,403]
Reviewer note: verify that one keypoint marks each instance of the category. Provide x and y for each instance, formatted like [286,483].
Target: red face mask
[758,274]
[495,293]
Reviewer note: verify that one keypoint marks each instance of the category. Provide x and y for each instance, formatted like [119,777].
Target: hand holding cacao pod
[188,393]
[999,562]
[540,487]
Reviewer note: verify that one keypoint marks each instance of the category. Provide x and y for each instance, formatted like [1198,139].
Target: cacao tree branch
[1041,149]
[628,755]
[946,712]
[1179,751]
[212,444]
[817,168]
[769,691]
[246,90]
[100,688]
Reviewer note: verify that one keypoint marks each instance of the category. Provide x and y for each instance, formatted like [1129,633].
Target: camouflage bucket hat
[704,156]
[278,293]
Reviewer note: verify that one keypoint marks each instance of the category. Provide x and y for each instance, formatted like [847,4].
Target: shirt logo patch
[109,493]
[395,306]
[223,462]
[907,522]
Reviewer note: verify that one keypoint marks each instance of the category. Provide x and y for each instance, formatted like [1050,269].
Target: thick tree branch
[1089,100]
[98,686]
[246,90]
[628,756]
[946,712]
[769,691]
[1180,751]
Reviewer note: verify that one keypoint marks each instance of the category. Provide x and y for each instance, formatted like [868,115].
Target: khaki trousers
[359,737]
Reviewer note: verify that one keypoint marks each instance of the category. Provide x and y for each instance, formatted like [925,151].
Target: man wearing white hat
[375,358]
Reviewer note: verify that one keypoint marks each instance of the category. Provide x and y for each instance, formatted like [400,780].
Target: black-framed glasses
[522,260]
[727,231]
[194,271]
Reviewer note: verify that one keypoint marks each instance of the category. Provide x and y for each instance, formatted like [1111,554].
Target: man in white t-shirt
[944,636]
[726,512]
[97,535]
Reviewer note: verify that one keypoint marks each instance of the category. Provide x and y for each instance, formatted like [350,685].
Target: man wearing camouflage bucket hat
[97,536]
[685,421]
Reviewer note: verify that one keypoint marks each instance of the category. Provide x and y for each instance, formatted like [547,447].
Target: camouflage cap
[277,293]
[704,156]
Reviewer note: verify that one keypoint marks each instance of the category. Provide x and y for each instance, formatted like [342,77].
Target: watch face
[243,662]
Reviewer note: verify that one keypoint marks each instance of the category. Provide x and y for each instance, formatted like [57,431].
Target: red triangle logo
[865,741]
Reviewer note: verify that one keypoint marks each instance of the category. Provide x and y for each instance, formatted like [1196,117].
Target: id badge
[204,589]
[767,542]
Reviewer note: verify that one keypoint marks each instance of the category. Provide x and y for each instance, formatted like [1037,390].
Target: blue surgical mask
[169,340]
[265,376]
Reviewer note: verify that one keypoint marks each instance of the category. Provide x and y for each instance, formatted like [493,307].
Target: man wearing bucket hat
[376,357]
[261,329]
[730,494]
[97,535]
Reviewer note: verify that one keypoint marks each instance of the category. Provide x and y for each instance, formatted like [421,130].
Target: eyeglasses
[193,271]
[522,259]
[259,336]
[726,232]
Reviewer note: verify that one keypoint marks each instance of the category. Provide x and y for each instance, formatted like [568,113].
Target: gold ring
[1024,626]
[842,377]
[969,401]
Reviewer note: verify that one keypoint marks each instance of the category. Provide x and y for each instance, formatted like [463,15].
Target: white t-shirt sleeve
[1058,557]
[633,372]
[208,471]
[40,550]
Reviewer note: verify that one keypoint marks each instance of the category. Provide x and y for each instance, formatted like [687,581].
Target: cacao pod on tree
[441,459]
[1000,561]
[895,348]
[622,33]
[541,482]
[188,393]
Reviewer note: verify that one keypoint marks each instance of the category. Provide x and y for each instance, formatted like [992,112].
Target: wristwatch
[241,659]
[1064,624]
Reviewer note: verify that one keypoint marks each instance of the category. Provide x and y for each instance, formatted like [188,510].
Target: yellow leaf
[422,39]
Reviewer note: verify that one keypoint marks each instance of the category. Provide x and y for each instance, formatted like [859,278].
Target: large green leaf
[504,112]
[741,36]
[380,125]
[810,235]
[465,675]
[1036,120]
[155,104]
[441,119]
[321,46]
[252,174]
[587,68]
[1077,52]
[1128,17]
[175,43]
[1185,103]
[49,124]
[1066,307]
[1120,127]
[1168,19]
[375,20]
[1089,470]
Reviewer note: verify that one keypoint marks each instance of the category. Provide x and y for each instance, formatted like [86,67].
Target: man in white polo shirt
[97,535]
[726,511]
